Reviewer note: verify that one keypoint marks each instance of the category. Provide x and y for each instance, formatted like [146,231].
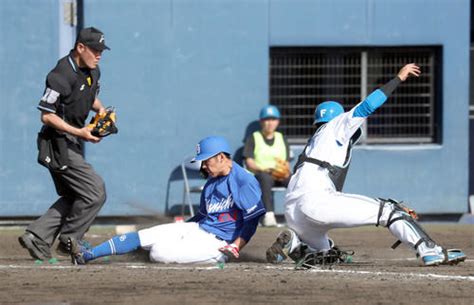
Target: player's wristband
[389,87]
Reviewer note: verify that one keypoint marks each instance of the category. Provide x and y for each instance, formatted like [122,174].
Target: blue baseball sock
[119,244]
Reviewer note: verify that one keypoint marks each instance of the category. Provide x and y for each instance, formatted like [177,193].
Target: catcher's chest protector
[337,174]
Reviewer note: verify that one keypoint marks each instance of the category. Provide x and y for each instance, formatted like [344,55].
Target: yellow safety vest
[265,155]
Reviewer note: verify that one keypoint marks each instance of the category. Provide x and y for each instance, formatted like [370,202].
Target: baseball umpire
[315,203]
[228,217]
[71,93]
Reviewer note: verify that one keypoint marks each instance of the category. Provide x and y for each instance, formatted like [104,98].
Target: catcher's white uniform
[314,206]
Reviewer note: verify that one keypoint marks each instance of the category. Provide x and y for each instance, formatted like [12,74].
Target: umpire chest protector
[337,174]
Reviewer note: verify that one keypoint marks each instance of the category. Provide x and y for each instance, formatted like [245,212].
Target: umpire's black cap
[93,38]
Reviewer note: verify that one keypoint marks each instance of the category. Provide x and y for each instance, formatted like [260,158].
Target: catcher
[266,154]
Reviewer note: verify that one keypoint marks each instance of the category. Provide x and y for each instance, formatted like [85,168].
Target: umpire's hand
[85,134]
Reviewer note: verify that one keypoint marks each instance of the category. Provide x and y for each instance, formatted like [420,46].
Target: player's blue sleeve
[249,228]
[370,104]
[249,200]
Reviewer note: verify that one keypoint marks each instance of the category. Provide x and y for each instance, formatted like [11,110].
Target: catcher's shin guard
[400,212]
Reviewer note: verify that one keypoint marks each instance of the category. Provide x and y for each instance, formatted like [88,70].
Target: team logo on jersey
[250,210]
[50,96]
[223,205]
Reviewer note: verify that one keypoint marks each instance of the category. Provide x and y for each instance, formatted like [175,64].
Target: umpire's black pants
[82,194]
[266,183]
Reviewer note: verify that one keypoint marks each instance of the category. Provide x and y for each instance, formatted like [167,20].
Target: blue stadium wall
[182,70]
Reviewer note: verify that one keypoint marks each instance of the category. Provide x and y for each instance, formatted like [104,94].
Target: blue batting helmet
[209,147]
[327,111]
[269,112]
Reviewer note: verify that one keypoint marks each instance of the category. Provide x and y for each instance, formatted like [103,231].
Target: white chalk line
[189,267]
[47,266]
[385,273]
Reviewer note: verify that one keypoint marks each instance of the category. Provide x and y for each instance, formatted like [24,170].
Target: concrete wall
[181,70]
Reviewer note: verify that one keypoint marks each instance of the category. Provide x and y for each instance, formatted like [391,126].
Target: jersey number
[223,217]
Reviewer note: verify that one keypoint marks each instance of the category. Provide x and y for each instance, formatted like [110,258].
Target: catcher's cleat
[448,257]
[37,248]
[283,245]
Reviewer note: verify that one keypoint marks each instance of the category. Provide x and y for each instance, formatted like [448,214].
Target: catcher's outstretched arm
[379,96]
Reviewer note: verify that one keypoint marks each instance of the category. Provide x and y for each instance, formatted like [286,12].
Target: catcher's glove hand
[281,171]
[103,124]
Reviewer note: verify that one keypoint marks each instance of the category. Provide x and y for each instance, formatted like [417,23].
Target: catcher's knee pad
[399,212]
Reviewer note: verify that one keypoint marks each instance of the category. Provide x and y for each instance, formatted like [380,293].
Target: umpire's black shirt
[70,91]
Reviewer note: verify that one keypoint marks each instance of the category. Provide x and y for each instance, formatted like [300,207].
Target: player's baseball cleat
[82,256]
[37,248]
[78,259]
[68,246]
[450,257]
[279,250]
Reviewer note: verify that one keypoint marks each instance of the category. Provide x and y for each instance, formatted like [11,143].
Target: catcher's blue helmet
[211,146]
[269,112]
[327,111]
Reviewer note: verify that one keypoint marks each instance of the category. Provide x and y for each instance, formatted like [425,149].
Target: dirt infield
[378,275]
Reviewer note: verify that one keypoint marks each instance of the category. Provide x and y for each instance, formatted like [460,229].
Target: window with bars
[301,78]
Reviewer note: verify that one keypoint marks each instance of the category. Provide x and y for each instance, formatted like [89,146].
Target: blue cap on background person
[269,112]
[211,146]
[327,111]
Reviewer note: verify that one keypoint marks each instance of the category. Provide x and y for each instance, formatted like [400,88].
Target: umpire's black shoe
[38,248]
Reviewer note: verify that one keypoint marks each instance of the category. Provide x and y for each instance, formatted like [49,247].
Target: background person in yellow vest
[262,152]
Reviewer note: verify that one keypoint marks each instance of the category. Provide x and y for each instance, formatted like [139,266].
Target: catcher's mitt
[103,124]
[281,171]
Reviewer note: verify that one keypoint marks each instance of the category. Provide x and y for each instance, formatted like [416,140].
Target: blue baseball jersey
[229,201]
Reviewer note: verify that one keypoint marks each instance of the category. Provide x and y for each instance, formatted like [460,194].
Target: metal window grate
[301,78]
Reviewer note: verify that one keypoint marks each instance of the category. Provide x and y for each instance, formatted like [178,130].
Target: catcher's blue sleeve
[370,104]
[376,99]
